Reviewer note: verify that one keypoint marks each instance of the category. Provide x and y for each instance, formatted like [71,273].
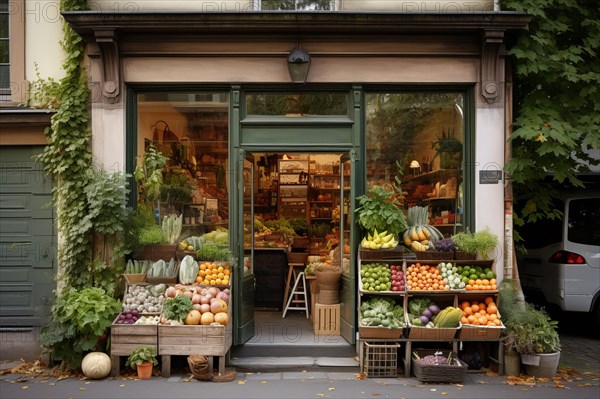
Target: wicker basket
[165,280]
[297,257]
[462,255]
[434,255]
[135,278]
[453,372]
[199,367]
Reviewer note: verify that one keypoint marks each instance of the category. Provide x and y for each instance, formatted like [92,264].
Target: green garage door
[27,243]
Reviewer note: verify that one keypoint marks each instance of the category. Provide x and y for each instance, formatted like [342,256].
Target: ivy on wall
[91,216]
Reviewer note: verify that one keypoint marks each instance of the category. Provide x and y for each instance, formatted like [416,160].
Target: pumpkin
[222,318]
[192,318]
[96,365]
[207,318]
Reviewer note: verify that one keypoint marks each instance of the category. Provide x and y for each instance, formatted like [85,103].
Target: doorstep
[279,363]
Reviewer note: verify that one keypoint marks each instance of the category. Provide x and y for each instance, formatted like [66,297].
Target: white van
[562,263]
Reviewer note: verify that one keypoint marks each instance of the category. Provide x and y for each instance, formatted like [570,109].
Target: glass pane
[248,176]
[4,77]
[3,26]
[416,139]
[189,129]
[343,210]
[300,5]
[3,5]
[584,221]
[297,104]
[4,53]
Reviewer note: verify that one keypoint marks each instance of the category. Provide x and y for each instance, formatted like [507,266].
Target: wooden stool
[291,276]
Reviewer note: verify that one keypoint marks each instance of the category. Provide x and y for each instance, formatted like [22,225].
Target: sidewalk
[579,377]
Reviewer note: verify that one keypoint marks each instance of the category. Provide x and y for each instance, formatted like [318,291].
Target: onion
[204,299]
[189,294]
[196,298]
[205,307]
[204,291]
[213,291]
[222,295]
[197,307]
[218,306]
[171,292]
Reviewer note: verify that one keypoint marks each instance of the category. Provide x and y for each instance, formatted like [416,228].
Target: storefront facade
[382,88]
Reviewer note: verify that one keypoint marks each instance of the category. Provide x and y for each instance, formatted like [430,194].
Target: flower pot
[512,363]
[144,370]
[546,367]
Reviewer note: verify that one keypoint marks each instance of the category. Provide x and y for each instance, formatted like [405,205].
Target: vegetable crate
[380,359]
[380,332]
[453,372]
[193,340]
[327,319]
[124,338]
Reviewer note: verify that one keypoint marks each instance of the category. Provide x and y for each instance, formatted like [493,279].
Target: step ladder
[297,299]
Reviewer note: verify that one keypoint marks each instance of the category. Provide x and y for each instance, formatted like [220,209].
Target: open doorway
[297,221]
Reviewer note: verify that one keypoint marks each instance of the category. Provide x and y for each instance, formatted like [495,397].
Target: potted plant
[469,245]
[448,148]
[143,359]
[379,210]
[532,333]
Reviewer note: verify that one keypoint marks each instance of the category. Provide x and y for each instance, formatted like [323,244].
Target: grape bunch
[397,277]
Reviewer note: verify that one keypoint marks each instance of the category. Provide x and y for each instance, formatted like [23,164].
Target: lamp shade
[298,65]
[415,164]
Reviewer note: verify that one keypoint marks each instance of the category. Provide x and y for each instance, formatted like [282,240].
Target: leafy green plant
[177,308]
[212,251]
[149,174]
[530,330]
[151,234]
[281,225]
[171,227]
[43,93]
[379,209]
[481,242]
[141,355]
[319,230]
[80,319]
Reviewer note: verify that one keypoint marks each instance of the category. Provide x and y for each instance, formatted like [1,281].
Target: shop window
[296,5]
[4,49]
[294,104]
[190,129]
[415,141]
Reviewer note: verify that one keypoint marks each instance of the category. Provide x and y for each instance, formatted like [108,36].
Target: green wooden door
[27,243]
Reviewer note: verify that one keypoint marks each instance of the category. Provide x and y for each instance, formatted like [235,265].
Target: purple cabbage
[445,245]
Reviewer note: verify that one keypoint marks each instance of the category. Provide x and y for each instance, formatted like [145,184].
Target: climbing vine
[91,215]
[67,158]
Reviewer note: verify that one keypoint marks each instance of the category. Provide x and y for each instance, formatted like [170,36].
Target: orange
[227,272]
[475,321]
[199,280]
[493,287]
[468,310]
[476,287]
[468,287]
[483,320]
[482,312]
[475,308]
[464,305]
[219,281]
[492,316]
[471,282]
[485,281]
[478,282]
[493,281]
[492,309]
[471,318]
[203,266]
[464,320]
[220,269]
[488,300]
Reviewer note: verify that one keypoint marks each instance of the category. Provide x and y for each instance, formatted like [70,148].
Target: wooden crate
[194,340]
[380,332]
[124,338]
[327,319]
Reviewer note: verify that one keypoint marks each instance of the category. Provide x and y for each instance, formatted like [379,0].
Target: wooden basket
[462,255]
[199,367]
[434,255]
[297,257]
[135,278]
[453,372]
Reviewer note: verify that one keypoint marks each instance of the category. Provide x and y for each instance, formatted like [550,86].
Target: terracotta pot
[144,370]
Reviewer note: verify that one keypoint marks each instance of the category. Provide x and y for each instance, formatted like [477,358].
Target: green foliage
[319,230]
[557,101]
[43,93]
[80,319]
[281,225]
[141,355]
[177,308]
[106,195]
[151,234]
[212,251]
[149,174]
[481,242]
[379,209]
[530,330]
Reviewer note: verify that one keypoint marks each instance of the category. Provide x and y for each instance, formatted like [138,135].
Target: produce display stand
[124,338]
[194,340]
[372,336]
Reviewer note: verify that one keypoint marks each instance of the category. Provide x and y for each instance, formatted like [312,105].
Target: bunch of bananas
[420,235]
[379,240]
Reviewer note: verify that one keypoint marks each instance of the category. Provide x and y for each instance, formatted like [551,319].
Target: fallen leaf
[433,389]
[263,382]
[82,389]
[543,379]
[122,385]
[587,384]
[241,382]
[459,389]
[360,376]
[556,385]
[320,395]
[52,384]
[24,387]
[331,389]
[491,374]
[88,382]
[443,393]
